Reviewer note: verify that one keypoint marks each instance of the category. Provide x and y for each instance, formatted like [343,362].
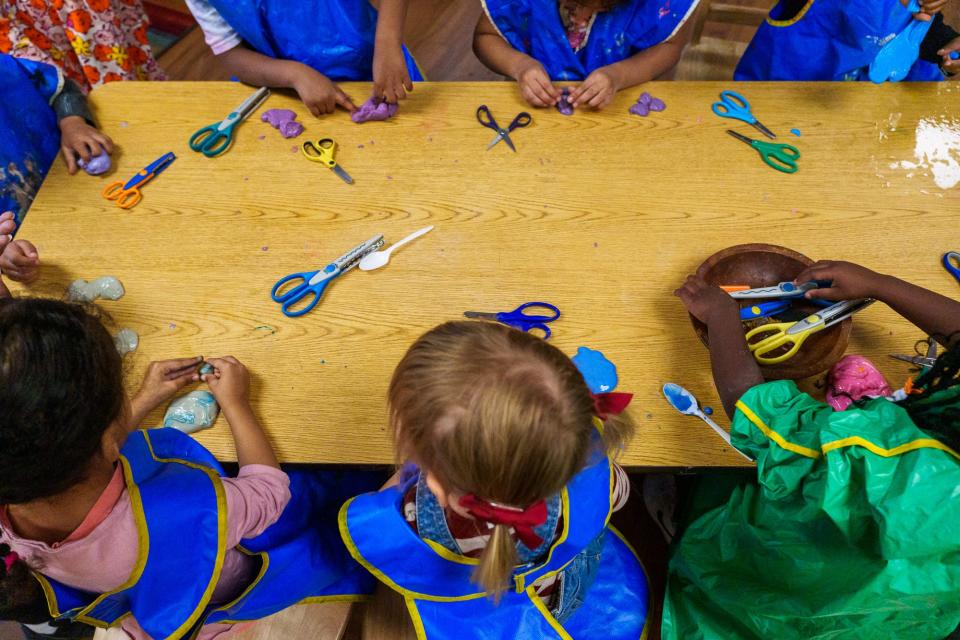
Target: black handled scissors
[485,118]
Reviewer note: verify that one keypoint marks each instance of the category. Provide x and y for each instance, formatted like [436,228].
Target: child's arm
[79,135]
[499,56]
[162,381]
[317,91]
[391,79]
[734,368]
[19,259]
[600,87]
[230,385]
[934,314]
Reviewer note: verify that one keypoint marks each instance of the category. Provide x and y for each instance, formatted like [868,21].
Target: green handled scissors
[782,157]
[216,138]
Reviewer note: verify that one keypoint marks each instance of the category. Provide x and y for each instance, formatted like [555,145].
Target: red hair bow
[9,560]
[612,403]
[522,520]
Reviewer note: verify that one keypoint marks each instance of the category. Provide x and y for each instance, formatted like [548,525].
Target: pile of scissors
[216,138]
[484,117]
[324,151]
[782,157]
[128,195]
[314,283]
[520,319]
[777,342]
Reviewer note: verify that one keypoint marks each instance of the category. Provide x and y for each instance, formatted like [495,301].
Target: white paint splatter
[937,150]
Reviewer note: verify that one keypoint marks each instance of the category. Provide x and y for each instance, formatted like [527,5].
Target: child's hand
[535,85]
[949,66]
[19,260]
[229,382]
[163,380]
[77,138]
[391,79]
[850,281]
[705,301]
[927,8]
[319,93]
[597,91]
[8,223]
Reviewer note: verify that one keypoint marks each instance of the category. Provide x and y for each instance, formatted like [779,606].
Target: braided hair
[934,401]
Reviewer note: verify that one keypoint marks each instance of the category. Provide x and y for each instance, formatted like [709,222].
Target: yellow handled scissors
[775,337]
[324,152]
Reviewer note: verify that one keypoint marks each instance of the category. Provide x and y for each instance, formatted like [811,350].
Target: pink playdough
[374,109]
[852,378]
[284,121]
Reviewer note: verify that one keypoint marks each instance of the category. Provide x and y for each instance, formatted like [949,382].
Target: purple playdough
[98,164]
[564,106]
[374,109]
[647,103]
[284,121]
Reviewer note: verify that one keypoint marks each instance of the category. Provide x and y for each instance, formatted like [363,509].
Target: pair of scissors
[523,119]
[216,138]
[324,152]
[733,105]
[764,310]
[772,338]
[782,290]
[951,262]
[520,319]
[128,195]
[315,282]
[782,157]
[923,360]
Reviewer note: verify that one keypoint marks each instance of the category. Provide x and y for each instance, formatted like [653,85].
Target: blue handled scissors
[733,105]
[216,138]
[485,118]
[782,157]
[315,282]
[951,262]
[520,319]
[764,310]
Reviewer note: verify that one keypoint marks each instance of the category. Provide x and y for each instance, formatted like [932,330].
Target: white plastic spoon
[378,259]
[684,402]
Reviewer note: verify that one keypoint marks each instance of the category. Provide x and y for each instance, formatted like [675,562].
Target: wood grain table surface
[601,213]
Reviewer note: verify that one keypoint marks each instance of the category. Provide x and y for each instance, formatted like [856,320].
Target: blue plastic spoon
[898,56]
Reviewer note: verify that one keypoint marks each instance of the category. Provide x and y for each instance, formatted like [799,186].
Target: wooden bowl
[762,265]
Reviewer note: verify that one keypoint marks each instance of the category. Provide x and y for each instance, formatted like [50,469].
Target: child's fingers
[69,158]
[544,89]
[344,100]
[531,96]
[831,293]
[600,100]
[104,141]
[22,256]
[407,82]
[588,94]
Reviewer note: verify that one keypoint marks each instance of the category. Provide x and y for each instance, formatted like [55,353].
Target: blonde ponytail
[496,563]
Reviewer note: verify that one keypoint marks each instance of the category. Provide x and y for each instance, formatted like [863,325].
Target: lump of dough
[195,411]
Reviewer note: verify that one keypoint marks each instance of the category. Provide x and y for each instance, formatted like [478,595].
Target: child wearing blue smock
[838,39]
[608,45]
[41,113]
[310,45]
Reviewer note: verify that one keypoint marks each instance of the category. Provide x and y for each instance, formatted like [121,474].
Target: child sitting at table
[608,45]
[849,529]
[139,528]
[498,525]
[310,45]
[40,113]
[838,39]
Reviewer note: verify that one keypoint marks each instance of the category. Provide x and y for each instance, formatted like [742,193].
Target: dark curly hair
[935,407]
[21,598]
[61,387]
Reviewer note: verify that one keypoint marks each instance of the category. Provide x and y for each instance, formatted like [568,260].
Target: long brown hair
[498,413]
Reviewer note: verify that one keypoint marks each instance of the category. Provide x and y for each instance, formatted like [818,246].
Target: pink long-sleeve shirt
[102,552]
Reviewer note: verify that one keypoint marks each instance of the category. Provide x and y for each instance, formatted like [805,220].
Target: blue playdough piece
[599,373]
[795,132]
[708,411]
[195,411]
[955,55]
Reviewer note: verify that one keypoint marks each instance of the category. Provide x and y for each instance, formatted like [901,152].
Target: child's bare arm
[734,368]
[391,79]
[230,385]
[164,378]
[497,54]
[317,91]
[934,314]
[600,87]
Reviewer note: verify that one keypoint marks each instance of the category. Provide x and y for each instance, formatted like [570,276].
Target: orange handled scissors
[128,195]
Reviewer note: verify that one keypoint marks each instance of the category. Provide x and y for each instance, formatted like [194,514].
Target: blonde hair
[498,413]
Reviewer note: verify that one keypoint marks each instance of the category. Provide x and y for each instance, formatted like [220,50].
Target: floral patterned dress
[93,41]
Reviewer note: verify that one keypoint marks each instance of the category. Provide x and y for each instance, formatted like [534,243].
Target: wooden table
[602,214]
